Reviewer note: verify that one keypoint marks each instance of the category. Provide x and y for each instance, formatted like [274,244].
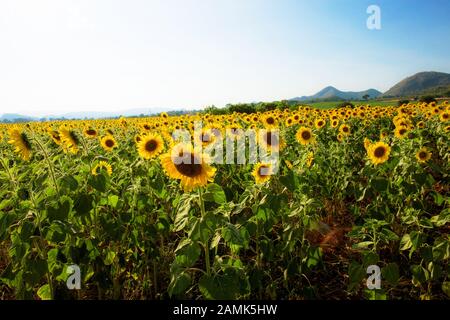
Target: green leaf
[182,215]
[226,286]
[362,245]
[380,184]
[446,288]
[113,200]
[83,204]
[109,259]
[232,237]
[61,211]
[290,181]
[44,292]
[405,242]
[215,193]
[356,274]
[98,182]
[69,182]
[179,283]
[391,273]
[420,275]
[188,255]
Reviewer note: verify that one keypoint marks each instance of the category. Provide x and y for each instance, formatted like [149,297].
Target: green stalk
[49,163]
[206,245]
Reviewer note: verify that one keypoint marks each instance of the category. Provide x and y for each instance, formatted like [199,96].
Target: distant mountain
[421,83]
[13,117]
[330,93]
[9,117]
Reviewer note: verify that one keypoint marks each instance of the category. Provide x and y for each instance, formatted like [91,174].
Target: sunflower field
[352,188]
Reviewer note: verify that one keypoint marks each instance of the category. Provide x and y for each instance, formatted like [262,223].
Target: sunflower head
[304,135]
[320,123]
[270,121]
[423,155]
[69,140]
[108,142]
[270,140]
[378,152]
[150,146]
[262,172]
[20,141]
[189,166]
[401,132]
[102,165]
[344,129]
[90,132]
[205,137]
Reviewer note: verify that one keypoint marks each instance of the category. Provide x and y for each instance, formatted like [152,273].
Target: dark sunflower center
[205,137]
[422,155]
[271,139]
[306,135]
[91,132]
[151,145]
[109,143]
[189,166]
[345,129]
[263,171]
[402,131]
[379,152]
[320,123]
[270,120]
[445,116]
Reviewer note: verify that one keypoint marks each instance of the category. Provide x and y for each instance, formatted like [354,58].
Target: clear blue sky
[102,55]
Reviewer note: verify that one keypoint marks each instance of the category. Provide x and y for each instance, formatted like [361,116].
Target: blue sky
[60,56]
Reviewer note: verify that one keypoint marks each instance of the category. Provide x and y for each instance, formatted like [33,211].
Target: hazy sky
[60,56]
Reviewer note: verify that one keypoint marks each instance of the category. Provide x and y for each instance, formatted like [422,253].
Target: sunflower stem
[11,178]
[49,163]
[206,245]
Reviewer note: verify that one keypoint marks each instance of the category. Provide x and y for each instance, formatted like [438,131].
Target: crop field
[341,192]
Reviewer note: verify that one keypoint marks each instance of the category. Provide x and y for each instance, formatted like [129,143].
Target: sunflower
[20,140]
[270,140]
[150,146]
[56,137]
[320,123]
[270,121]
[164,115]
[420,124]
[102,165]
[400,132]
[334,123]
[289,121]
[423,155]
[90,133]
[190,166]
[108,142]
[69,140]
[205,137]
[344,129]
[304,135]
[378,152]
[262,172]
[137,138]
[444,116]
